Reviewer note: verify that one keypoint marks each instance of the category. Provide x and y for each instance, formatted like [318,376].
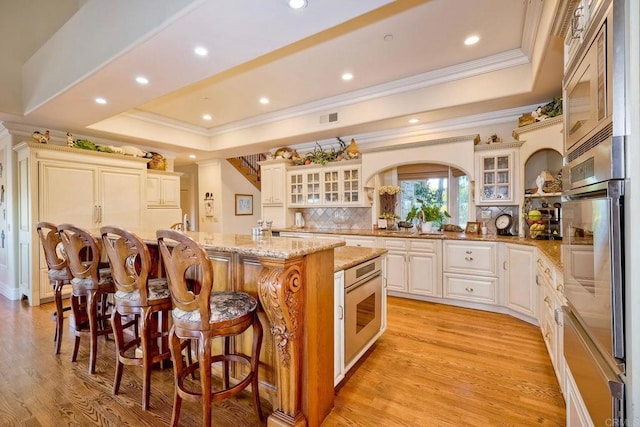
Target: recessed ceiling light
[297,4]
[347,76]
[192,156]
[207,116]
[471,40]
[201,51]
[264,100]
[142,80]
[414,121]
[101,101]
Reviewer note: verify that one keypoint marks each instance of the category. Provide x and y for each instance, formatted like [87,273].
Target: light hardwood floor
[435,366]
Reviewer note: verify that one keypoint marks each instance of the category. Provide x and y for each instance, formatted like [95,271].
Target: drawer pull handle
[468,289]
[468,252]
[469,258]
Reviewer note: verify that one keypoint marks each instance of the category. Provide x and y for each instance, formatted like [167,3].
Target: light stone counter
[550,248]
[348,256]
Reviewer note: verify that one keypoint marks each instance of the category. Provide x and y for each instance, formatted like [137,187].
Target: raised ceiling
[407,57]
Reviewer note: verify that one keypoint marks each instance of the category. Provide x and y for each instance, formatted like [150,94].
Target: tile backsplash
[488,214]
[332,218]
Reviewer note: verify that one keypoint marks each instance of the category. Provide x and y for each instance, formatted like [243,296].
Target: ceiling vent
[329,118]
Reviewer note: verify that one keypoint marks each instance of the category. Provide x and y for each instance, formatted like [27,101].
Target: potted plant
[428,215]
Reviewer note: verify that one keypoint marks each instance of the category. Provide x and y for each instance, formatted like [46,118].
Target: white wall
[224,181]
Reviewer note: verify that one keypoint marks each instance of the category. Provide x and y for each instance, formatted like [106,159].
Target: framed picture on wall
[244,204]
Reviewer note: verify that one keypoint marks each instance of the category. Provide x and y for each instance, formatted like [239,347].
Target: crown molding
[469,69]
[435,141]
[532,18]
[537,125]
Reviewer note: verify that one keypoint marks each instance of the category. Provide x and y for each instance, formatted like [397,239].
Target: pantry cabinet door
[68,194]
[122,198]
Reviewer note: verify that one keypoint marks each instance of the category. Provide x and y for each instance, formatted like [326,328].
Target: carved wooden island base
[293,278]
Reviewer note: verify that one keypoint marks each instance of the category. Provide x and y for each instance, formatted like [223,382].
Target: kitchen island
[296,291]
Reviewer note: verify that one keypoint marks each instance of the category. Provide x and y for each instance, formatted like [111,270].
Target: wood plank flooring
[435,366]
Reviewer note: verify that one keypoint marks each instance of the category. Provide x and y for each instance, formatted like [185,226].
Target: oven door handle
[359,283]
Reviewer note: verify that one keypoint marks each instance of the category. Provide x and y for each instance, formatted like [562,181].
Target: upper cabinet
[496,177]
[272,178]
[163,189]
[340,185]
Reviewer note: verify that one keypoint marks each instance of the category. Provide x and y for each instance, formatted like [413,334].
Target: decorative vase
[427,227]
[391,224]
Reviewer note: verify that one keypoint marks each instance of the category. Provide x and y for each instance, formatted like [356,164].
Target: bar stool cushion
[105,279]
[158,289]
[225,306]
[59,275]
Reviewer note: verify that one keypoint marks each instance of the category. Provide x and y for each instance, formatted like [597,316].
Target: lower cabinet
[413,266]
[551,300]
[338,325]
[521,294]
[471,271]
[577,413]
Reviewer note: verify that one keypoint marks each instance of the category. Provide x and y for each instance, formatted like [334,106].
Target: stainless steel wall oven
[593,218]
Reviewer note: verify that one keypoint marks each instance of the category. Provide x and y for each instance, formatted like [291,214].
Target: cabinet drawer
[470,288]
[463,257]
[423,245]
[545,269]
[365,242]
[397,244]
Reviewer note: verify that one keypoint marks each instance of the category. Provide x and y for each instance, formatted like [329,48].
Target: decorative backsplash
[332,218]
[494,211]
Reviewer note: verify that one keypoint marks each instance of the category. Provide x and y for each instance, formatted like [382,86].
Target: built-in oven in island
[363,308]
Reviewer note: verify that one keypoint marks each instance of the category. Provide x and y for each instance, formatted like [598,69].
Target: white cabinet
[304,187]
[338,326]
[495,174]
[66,185]
[413,266]
[470,271]
[551,300]
[365,242]
[163,189]
[272,176]
[577,413]
[340,185]
[521,292]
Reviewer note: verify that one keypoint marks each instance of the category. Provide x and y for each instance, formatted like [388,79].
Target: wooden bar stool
[90,287]
[200,314]
[58,273]
[137,295]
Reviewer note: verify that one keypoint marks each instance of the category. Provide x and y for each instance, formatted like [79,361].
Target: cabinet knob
[468,289]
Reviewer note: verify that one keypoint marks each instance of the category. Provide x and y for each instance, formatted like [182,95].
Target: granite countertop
[243,244]
[347,256]
[550,248]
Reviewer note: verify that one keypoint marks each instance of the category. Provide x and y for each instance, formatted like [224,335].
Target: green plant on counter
[426,213]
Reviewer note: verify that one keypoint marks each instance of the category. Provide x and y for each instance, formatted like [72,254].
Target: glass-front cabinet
[495,176]
[309,186]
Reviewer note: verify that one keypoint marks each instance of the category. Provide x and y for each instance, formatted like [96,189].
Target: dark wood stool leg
[59,315]
[204,358]
[255,363]
[147,354]
[178,367]
[116,326]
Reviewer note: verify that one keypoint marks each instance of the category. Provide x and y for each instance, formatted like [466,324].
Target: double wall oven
[593,218]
